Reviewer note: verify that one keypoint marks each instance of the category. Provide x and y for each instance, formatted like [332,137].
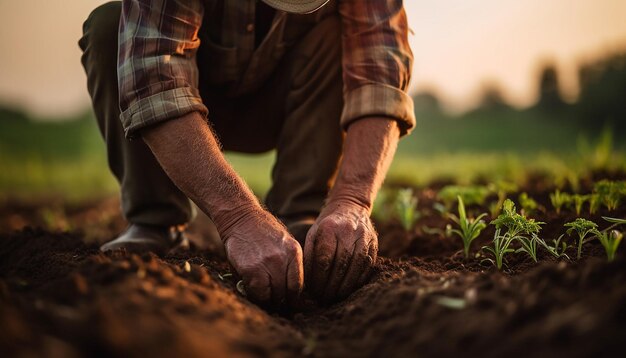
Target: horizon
[460,47]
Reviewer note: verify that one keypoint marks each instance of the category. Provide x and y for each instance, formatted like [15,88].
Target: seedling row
[515,231]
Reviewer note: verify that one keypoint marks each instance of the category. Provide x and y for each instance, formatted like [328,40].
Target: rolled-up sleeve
[377,62]
[157,71]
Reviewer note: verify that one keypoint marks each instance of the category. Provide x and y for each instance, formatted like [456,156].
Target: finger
[359,264]
[258,287]
[343,257]
[372,255]
[295,278]
[323,256]
[309,246]
[278,282]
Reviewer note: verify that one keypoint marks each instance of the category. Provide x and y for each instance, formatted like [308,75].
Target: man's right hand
[259,247]
[266,256]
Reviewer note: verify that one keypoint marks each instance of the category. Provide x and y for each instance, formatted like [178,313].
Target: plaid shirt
[160,50]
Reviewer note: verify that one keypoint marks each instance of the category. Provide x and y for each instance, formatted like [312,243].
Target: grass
[52,159]
[74,180]
[67,159]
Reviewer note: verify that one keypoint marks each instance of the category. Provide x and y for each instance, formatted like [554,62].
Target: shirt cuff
[161,107]
[379,100]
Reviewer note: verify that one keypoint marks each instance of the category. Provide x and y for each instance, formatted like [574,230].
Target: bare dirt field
[60,296]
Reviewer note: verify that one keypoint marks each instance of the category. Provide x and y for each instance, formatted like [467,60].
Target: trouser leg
[297,112]
[148,195]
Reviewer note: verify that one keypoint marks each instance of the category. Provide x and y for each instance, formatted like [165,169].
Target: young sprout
[609,238]
[615,222]
[560,200]
[501,246]
[469,228]
[515,223]
[440,208]
[610,193]
[502,189]
[434,230]
[594,203]
[528,245]
[519,228]
[579,200]
[406,208]
[583,227]
[557,249]
[527,203]
[472,195]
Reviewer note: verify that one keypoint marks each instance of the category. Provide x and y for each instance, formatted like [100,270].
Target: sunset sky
[459,46]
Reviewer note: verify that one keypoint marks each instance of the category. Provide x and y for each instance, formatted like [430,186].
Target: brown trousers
[296,112]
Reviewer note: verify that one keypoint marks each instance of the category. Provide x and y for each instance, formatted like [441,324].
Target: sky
[460,46]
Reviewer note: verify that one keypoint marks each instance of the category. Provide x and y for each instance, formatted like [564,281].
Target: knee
[101,27]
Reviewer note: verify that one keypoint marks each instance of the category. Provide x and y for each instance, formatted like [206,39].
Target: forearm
[190,155]
[368,151]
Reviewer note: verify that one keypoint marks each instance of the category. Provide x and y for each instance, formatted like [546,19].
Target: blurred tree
[549,95]
[603,92]
[492,98]
[12,113]
[426,102]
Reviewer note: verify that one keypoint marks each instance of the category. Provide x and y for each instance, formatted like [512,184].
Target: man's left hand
[340,251]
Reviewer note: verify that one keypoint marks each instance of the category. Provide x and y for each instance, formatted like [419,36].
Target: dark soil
[59,296]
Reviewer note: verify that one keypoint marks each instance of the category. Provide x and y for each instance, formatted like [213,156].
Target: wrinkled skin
[268,259]
[340,250]
[258,246]
[342,245]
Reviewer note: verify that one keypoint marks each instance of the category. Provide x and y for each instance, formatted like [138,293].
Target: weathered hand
[267,257]
[340,250]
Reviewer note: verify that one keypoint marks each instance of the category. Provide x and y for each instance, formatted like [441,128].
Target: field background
[64,158]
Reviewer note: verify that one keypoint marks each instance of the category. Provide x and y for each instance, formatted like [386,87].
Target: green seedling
[610,193]
[501,189]
[609,238]
[616,222]
[594,203]
[528,204]
[472,195]
[579,200]
[469,228]
[515,223]
[582,227]
[560,200]
[528,245]
[406,208]
[520,228]
[434,231]
[501,247]
[440,208]
[557,249]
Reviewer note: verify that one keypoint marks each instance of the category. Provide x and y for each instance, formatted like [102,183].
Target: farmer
[175,82]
